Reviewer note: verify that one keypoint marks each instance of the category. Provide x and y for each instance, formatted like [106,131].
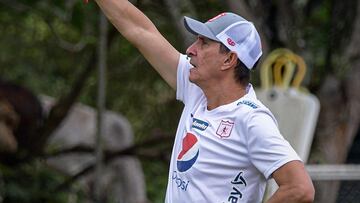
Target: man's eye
[202,40]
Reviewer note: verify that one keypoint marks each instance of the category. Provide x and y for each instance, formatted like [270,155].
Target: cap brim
[198,28]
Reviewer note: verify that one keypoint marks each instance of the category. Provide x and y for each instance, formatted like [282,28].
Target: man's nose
[191,50]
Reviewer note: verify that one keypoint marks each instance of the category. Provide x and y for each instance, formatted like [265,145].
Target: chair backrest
[296,113]
[295,109]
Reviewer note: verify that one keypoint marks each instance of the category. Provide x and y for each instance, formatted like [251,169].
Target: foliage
[33,57]
[34,182]
[36,56]
[156,180]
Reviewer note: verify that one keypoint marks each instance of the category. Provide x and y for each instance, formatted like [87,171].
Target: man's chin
[192,79]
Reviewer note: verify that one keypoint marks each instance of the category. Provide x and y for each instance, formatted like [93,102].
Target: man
[227,143]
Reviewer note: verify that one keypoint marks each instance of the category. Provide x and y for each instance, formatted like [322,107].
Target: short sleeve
[268,150]
[186,91]
[182,82]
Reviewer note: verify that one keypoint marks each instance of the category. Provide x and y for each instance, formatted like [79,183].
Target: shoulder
[248,104]
[250,108]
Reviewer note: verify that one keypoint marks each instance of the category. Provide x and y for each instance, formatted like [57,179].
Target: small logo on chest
[199,124]
[224,129]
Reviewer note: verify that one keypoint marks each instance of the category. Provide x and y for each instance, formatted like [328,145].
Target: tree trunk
[340,105]
[173,7]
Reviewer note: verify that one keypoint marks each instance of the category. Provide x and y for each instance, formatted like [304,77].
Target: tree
[51,39]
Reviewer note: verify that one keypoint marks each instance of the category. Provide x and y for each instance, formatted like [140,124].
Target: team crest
[225,128]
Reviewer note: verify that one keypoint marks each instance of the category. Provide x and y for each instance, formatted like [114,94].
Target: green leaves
[34,182]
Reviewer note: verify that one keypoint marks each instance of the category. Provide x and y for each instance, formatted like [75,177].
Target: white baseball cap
[236,33]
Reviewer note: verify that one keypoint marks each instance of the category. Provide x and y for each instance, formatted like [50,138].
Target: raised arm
[142,33]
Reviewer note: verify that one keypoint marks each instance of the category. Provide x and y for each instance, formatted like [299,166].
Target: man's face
[206,60]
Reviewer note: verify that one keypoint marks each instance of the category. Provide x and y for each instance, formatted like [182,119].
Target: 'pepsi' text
[180,183]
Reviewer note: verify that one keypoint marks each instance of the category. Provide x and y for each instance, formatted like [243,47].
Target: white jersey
[225,154]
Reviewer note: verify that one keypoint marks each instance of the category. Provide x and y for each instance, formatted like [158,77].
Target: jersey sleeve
[268,150]
[186,91]
[182,78]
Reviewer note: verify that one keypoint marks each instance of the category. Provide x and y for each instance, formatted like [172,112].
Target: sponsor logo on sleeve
[248,103]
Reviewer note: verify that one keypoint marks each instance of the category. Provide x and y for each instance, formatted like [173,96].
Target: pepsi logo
[230,42]
[189,152]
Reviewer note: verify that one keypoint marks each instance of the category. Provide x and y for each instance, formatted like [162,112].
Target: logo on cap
[230,42]
[216,17]
[189,152]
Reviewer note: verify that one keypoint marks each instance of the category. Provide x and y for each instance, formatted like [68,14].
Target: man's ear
[230,60]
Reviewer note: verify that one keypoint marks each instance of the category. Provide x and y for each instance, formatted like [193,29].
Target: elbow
[310,197]
[306,194]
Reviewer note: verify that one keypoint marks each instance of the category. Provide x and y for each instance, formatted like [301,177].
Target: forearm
[142,33]
[294,194]
[127,19]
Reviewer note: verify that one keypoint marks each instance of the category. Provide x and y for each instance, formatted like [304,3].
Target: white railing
[334,172]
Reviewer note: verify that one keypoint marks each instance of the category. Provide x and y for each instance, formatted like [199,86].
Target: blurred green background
[44,46]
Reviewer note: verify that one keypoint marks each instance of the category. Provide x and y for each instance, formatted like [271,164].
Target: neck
[223,94]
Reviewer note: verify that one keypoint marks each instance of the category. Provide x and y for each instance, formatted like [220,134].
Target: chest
[218,127]
[214,138]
